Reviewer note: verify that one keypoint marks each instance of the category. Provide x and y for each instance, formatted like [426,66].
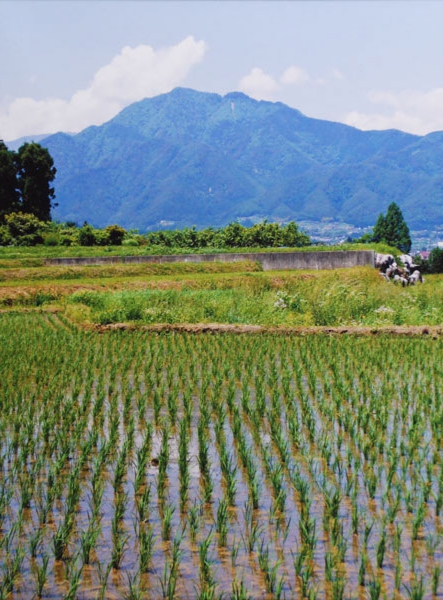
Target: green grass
[192,293]
[35,256]
[351,297]
[228,293]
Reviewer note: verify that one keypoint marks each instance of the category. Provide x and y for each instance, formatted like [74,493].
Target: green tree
[293,237]
[24,229]
[114,235]
[234,235]
[87,235]
[8,181]
[392,229]
[35,173]
[435,261]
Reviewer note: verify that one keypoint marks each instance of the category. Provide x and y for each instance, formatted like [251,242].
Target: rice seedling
[74,575]
[40,573]
[11,571]
[273,583]
[166,525]
[206,577]
[436,574]
[61,537]
[35,542]
[103,576]
[135,591]
[146,540]
[381,549]
[221,523]
[119,545]
[235,547]
[142,503]
[398,575]
[374,588]
[416,591]
[194,520]
[239,590]
[88,539]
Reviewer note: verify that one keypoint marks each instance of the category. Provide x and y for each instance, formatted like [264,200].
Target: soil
[431,331]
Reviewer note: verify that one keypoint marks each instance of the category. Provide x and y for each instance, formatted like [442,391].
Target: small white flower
[384,309]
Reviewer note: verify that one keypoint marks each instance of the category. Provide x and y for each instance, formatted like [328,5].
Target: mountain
[189,157]
[15,144]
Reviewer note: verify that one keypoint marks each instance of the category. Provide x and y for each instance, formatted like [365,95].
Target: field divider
[270,261]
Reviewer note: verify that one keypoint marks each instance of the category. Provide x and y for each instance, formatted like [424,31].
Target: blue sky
[374,64]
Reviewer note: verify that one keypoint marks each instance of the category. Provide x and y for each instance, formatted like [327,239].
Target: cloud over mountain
[133,74]
[410,110]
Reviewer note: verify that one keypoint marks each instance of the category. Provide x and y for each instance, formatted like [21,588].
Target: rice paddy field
[142,462]
[143,465]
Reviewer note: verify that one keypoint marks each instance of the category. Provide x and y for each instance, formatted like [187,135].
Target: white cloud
[262,86]
[337,74]
[413,111]
[133,74]
[294,76]
[259,85]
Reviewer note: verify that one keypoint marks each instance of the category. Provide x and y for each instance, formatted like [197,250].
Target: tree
[435,261]
[24,229]
[35,173]
[392,229]
[8,181]
[293,237]
[114,234]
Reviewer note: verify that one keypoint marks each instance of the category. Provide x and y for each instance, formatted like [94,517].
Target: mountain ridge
[197,158]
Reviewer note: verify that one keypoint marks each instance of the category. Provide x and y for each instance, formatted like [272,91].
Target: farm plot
[141,465]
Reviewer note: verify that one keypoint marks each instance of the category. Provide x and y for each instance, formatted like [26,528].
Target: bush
[31,239]
[130,242]
[51,239]
[5,236]
[24,229]
[87,236]
[114,234]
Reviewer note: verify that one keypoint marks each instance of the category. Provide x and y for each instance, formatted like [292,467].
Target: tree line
[26,230]
[27,197]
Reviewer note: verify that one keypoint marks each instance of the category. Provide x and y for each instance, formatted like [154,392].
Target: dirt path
[218,328]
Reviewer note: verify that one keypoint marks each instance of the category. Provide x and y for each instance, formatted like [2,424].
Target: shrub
[25,229]
[51,239]
[87,236]
[130,242]
[114,234]
[5,236]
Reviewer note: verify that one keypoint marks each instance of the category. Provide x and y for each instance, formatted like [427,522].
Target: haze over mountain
[195,158]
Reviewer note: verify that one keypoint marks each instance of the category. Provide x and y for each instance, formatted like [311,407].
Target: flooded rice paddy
[172,465]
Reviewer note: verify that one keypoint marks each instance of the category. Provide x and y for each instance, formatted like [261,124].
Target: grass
[354,297]
[35,256]
[230,293]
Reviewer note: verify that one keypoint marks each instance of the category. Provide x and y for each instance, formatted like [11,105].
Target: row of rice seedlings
[343,464]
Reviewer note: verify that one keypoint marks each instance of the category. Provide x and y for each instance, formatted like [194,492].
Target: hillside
[189,157]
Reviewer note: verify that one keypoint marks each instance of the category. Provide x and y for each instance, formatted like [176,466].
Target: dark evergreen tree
[392,229]
[35,173]
[8,181]
[435,261]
